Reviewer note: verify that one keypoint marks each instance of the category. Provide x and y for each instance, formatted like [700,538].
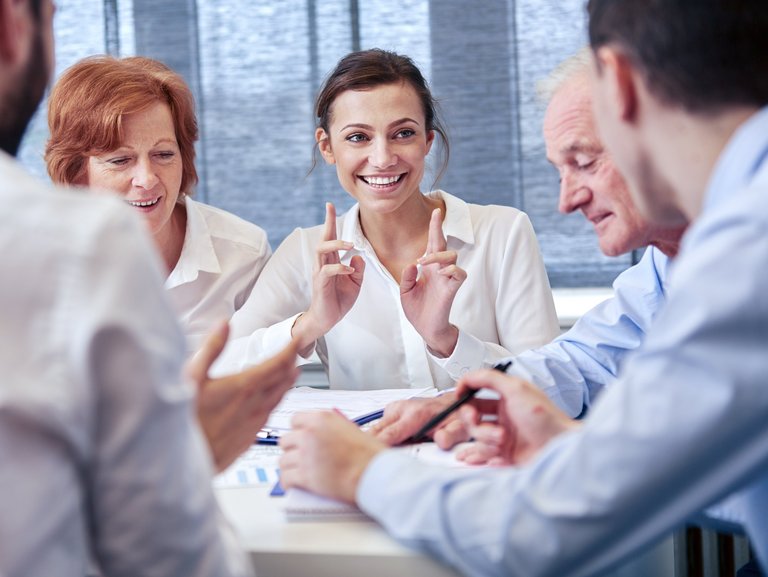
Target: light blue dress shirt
[576,366]
[685,425]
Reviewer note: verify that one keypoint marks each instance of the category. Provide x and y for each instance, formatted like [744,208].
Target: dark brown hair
[368,69]
[699,54]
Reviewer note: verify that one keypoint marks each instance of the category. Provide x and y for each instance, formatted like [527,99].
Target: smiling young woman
[406,289]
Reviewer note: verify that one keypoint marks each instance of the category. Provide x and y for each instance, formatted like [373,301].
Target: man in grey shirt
[103,459]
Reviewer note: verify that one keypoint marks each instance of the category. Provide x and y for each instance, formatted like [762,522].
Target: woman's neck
[400,237]
[169,241]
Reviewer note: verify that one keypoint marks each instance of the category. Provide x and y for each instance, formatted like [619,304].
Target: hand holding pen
[525,420]
[422,434]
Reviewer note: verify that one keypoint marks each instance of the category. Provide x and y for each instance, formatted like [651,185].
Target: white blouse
[221,258]
[503,308]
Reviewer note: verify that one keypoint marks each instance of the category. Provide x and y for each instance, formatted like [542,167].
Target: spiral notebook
[301,505]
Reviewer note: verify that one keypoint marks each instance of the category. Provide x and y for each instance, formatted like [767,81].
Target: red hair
[87,105]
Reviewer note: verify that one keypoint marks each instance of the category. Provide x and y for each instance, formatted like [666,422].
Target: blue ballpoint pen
[267,437]
[370,417]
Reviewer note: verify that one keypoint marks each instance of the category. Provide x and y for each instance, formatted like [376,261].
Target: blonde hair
[573,67]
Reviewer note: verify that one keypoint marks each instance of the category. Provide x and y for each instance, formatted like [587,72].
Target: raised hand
[427,296]
[526,420]
[335,286]
[232,409]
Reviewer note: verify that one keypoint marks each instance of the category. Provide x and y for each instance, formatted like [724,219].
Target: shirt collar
[457,222]
[197,253]
[740,160]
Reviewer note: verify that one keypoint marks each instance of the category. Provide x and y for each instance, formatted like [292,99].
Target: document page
[259,465]
[352,404]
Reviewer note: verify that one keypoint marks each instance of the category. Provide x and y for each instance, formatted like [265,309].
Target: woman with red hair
[128,126]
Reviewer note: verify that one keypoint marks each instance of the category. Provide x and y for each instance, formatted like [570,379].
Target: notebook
[300,505]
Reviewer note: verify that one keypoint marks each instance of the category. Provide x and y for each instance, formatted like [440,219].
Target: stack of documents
[259,465]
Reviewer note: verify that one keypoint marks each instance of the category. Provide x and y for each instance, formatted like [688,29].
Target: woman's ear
[430,139]
[324,145]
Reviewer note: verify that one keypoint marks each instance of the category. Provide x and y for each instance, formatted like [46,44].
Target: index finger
[436,241]
[329,232]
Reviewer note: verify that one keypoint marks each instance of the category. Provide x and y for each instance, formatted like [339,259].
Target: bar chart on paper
[257,466]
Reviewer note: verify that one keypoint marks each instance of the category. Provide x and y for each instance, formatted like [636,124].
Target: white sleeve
[524,313]
[283,290]
[149,492]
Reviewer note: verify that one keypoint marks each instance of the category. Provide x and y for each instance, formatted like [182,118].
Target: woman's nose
[382,155]
[144,175]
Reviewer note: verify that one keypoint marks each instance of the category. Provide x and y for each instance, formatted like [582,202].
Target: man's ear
[15,17]
[324,145]
[620,78]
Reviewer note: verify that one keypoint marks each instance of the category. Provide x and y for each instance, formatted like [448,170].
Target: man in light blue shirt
[681,100]
[576,366]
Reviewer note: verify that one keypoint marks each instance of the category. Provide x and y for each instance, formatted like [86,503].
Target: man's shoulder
[61,220]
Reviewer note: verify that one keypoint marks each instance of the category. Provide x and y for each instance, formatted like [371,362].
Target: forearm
[305,332]
[469,354]
[442,343]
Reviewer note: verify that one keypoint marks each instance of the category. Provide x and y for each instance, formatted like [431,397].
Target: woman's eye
[356,137]
[405,133]
[167,155]
[119,161]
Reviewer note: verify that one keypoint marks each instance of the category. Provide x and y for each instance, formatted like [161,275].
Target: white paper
[352,404]
[259,465]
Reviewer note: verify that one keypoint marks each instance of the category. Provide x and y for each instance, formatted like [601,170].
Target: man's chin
[612,247]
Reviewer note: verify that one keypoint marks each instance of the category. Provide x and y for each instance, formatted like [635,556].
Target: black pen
[421,435]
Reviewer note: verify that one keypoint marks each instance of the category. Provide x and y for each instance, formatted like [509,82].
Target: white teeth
[143,203]
[382,180]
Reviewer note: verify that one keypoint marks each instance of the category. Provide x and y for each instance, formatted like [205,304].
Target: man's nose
[573,193]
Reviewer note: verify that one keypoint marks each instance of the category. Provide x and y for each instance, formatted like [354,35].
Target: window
[256,65]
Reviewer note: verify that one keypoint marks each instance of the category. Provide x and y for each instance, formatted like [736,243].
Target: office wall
[255,66]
